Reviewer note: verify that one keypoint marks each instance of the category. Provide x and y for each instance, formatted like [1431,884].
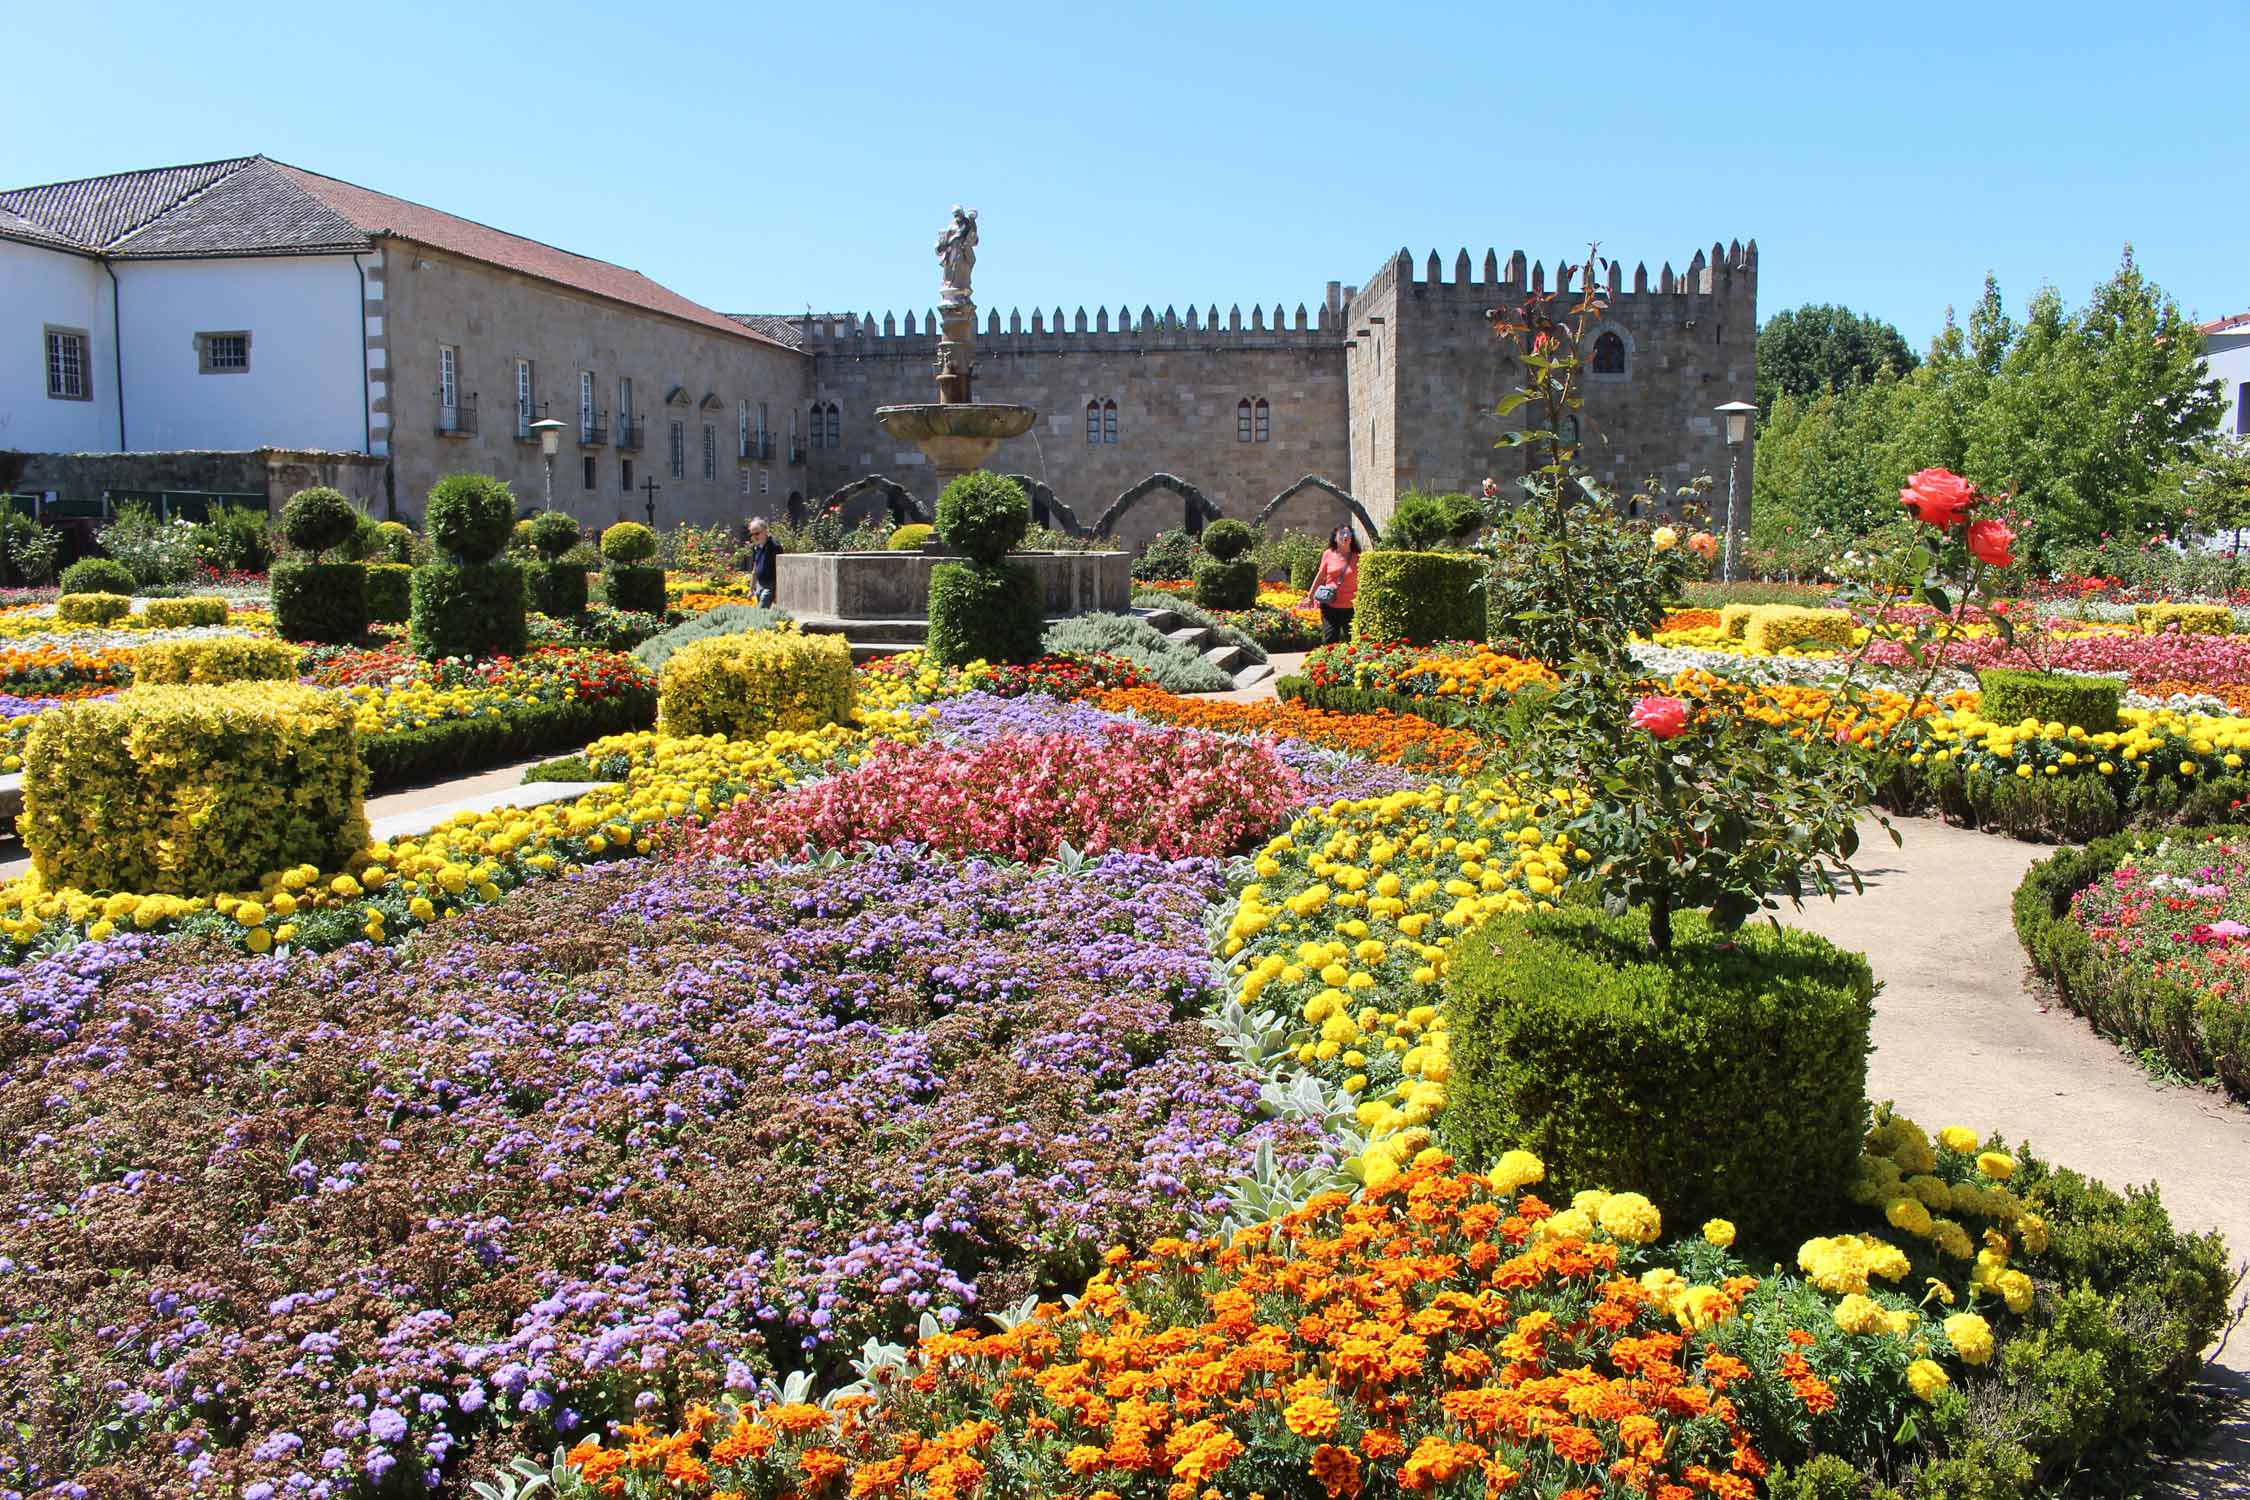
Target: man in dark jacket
[763,550]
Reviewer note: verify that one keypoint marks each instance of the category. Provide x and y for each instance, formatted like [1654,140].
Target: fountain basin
[957,435]
[884,586]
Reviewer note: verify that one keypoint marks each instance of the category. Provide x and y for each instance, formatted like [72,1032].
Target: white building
[2226,358]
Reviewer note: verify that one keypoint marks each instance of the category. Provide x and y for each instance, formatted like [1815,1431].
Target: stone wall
[273,473]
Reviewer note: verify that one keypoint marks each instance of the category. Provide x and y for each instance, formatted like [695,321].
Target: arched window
[1093,421]
[835,425]
[1570,430]
[1109,421]
[1609,353]
[1242,421]
[819,434]
[1265,420]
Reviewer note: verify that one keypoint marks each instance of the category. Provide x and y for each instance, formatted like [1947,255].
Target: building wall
[39,287]
[303,388]
[273,474]
[427,298]
[1177,388]
[2226,359]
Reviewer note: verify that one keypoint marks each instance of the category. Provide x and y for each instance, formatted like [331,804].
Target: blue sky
[770,158]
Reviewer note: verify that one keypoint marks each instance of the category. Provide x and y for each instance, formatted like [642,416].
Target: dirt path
[1963,1036]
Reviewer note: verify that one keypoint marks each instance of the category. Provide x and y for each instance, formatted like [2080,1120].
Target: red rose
[1989,542]
[1661,717]
[1938,497]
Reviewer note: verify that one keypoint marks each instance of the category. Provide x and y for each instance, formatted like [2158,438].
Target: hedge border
[462,747]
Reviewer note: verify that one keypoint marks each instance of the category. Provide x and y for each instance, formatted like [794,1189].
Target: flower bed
[634,1139]
[1385,738]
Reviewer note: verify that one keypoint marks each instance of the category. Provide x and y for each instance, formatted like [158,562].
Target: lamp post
[1737,415]
[550,438]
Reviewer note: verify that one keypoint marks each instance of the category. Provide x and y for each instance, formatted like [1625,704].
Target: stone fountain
[957,434]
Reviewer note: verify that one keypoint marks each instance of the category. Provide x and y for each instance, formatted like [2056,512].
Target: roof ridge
[241,165]
[234,165]
[185,166]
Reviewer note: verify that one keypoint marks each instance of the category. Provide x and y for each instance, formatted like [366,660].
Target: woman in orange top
[1336,585]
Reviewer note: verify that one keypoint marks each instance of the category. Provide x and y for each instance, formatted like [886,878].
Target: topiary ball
[97,575]
[553,533]
[910,537]
[983,514]
[394,542]
[519,536]
[628,542]
[470,515]
[317,519]
[1229,538]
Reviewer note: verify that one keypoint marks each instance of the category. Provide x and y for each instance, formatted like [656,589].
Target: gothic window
[835,425]
[1264,414]
[1609,353]
[1242,423]
[1570,430]
[1093,422]
[1109,421]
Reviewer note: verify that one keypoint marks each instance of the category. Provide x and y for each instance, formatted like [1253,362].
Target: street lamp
[1737,415]
[550,438]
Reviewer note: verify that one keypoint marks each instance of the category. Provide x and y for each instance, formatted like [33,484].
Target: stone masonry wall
[271,473]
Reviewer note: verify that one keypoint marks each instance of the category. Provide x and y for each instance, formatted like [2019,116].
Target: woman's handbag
[1325,594]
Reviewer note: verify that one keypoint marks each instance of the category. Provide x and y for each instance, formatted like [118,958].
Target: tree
[2216,486]
[1821,347]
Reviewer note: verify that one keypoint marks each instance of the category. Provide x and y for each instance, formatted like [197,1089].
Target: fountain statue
[957,434]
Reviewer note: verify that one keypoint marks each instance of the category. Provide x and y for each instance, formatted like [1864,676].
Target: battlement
[862,333]
[1723,271]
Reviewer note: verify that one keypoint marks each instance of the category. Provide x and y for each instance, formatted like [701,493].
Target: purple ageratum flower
[386,1425]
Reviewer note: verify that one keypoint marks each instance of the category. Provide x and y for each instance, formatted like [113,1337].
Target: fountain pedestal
[954,432]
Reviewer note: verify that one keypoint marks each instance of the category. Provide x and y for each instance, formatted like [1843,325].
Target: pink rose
[1662,717]
[1938,497]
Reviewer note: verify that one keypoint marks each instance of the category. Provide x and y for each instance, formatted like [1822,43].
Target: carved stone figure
[957,257]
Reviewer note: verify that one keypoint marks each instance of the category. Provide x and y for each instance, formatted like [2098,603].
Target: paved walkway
[1964,1036]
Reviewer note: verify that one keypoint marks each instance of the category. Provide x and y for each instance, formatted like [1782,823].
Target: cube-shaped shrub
[2187,619]
[1773,628]
[467,609]
[741,686]
[1419,598]
[555,588]
[1734,619]
[1226,582]
[2011,696]
[225,659]
[191,791]
[182,614]
[1729,1081]
[633,586]
[984,612]
[390,591]
[92,609]
[319,601]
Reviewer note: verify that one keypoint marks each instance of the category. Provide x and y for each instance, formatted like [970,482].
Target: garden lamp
[1737,415]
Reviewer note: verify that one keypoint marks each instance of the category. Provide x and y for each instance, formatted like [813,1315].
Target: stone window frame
[1261,415]
[678,452]
[710,452]
[48,365]
[1243,425]
[203,360]
[1624,342]
[589,475]
[625,476]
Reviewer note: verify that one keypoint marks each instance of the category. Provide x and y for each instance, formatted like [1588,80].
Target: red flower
[1938,497]
[1663,718]
[1989,541]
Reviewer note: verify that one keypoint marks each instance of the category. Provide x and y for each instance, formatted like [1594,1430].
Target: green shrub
[2089,703]
[979,612]
[1431,523]
[632,587]
[727,619]
[2187,619]
[319,601]
[457,747]
[394,542]
[628,542]
[981,515]
[193,790]
[1734,620]
[1304,569]
[234,540]
[470,516]
[1173,666]
[1343,699]
[743,686]
[555,588]
[1227,539]
[1703,594]
[1282,554]
[471,610]
[92,609]
[1419,598]
[553,533]
[225,659]
[1226,582]
[317,519]
[519,537]
[390,592]
[1772,628]
[1728,1082]
[97,575]
[1171,554]
[183,614]
[909,538]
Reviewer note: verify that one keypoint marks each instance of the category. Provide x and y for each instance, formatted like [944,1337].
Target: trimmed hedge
[982,515]
[2069,809]
[319,601]
[1354,700]
[390,592]
[1734,619]
[92,609]
[1420,598]
[97,575]
[1728,1082]
[2011,695]
[2201,1034]
[472,609]
[743,686]
[190,791]
[910,537]
[631,586]
[470,516]
[555,588]
[1226,582]
[317,519]
[628,542]
[459,747]
[980,612]
[180,614]
[1773,628]
[553,533]
[2188,619]
[394,542]
[1227,538]
[226,659]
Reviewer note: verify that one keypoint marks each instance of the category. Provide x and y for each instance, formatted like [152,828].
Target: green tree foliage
[1820,347]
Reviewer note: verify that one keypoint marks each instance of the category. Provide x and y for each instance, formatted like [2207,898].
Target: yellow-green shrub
[744,685]
[1778,627]
[180,614]
[2187,619]
[92,609]
[1734,619]
[188,791]
[227,659]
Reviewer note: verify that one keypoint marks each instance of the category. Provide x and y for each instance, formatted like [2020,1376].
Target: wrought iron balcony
[755,447]
[632,434]
[593,429]
[460,418]
[526,414]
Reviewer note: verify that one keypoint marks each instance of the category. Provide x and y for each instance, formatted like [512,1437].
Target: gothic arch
[1201,512]
[1046,510]
[1315,482]
[904,507]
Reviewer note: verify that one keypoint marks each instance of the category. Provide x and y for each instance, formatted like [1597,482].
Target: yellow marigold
[2014,1288]
[2034,1231]
[1311,1416]
[1927,1377]
[1631,1218]
[1959,1138]
[1971,1337]
[1997,1165]
[1719,1232]
[1909,1214]
[1516,1170]
[1862,1315]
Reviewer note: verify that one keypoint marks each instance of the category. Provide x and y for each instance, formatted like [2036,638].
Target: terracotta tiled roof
[253,205]
[2228,325]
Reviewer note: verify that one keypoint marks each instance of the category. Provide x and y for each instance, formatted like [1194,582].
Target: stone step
[915,630]
[407,825]
[867,651]
[1252,675]
[1194,637]
[1230,660]
[1167,620]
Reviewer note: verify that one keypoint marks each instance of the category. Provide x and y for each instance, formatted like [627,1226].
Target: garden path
[1963,1035]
